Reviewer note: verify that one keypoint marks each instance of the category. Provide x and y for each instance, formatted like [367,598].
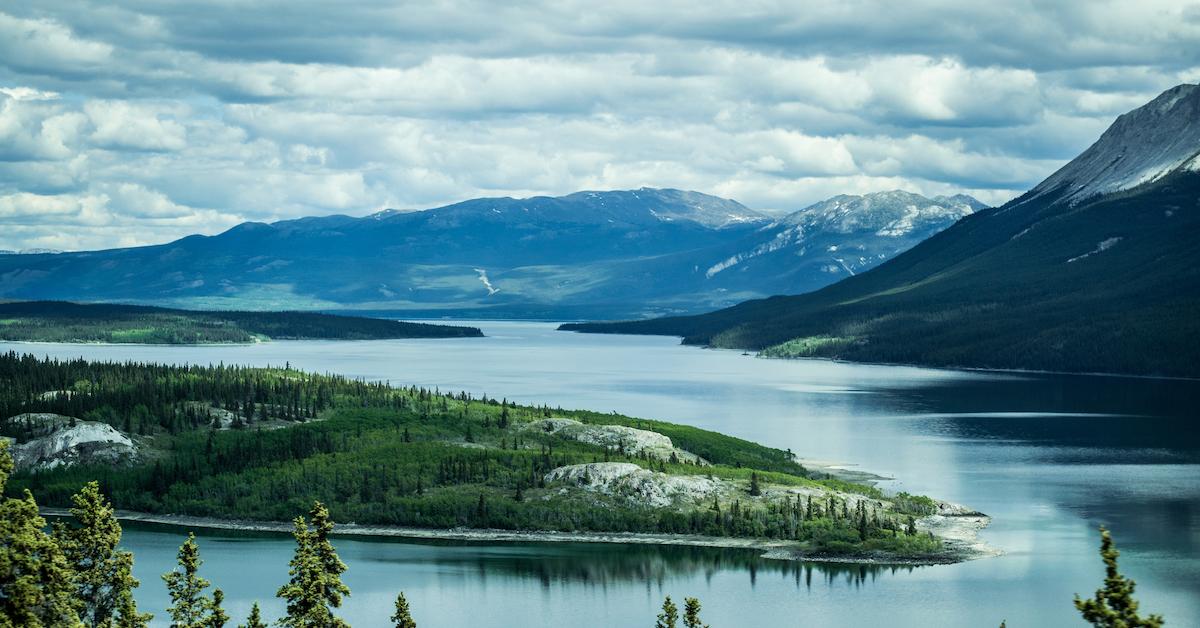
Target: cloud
[137,123]
[47,45]
[132,126]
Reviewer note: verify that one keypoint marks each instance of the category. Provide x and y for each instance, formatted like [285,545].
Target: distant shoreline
[959,538]
[935,367]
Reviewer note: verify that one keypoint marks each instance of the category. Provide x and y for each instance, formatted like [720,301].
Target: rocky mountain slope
[846,235]
[1092,270]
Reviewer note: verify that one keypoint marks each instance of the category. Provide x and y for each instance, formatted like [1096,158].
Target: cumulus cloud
[135,123]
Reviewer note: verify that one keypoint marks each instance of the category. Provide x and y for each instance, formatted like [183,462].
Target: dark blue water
[1050,457]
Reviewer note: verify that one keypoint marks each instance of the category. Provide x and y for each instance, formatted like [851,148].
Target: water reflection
[547,564]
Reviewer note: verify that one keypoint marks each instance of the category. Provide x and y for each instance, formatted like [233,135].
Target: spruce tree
[754,488]
[127,615]
[691,613]
[255,620]
[402,618]
[104,579]
[217,617]
[189,608]
[1114,605]
[315,587]
[669,617]
[36,587]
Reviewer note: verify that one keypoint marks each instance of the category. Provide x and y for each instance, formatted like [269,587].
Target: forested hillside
[263,444]
[60,321]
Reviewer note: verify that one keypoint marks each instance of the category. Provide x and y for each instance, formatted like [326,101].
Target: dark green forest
[377,454]
[61,321]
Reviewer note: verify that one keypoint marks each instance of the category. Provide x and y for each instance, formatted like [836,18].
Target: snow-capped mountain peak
[892,213]
[1145,145]
[849,233]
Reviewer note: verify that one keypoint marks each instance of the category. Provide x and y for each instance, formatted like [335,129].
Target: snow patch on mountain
[893,215]
[1103,246]
[487,283]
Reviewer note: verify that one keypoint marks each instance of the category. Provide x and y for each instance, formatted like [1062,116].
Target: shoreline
[959,534]
[968,369]
[939,367]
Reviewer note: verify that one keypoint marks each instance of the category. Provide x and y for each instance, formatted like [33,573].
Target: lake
[1049,457]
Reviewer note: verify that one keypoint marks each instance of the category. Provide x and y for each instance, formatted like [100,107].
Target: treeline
[389,467]
[60,321]
[408,456]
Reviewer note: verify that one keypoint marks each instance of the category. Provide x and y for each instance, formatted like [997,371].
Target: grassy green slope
[998,290]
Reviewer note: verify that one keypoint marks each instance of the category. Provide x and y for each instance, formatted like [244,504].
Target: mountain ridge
[616,253]
[1058,279]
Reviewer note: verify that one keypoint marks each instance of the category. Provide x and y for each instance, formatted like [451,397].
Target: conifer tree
[691,613]
[35,578]
[1114,605]
[754,488]
[217,618]
[255,620]
[669,617]
[316,586]
[127,615]
[104,579]
[190,608]
[402,618]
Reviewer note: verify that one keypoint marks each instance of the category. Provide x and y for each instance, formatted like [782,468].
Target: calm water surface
[1050,457]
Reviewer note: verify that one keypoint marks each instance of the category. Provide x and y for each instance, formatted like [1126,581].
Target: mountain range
[1095,269]
[588,254]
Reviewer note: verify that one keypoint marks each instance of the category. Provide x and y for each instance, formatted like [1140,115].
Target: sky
[125,123]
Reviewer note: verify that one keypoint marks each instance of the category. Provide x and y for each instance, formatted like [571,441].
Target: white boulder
[57,440]
[641,486]
[630,439]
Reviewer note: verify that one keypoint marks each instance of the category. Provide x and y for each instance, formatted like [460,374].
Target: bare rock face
[640,486]
[629,439]
[54,440]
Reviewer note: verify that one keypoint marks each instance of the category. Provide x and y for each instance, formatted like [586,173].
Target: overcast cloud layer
[125,123]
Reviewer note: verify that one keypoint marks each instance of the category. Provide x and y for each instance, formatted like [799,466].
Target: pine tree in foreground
[217,618]
[669,617]
[402,618]
[36,587]
[103,575]
[190,608]
[315,587]
[1114,605]
[255,619]
[691,613]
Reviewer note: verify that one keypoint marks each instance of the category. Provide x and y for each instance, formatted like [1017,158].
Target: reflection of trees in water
[602,565]
[550,564]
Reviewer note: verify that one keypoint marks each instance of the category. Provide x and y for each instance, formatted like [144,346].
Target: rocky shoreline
[958,531]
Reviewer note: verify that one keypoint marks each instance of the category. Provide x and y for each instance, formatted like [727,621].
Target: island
[251,448]
[62,321]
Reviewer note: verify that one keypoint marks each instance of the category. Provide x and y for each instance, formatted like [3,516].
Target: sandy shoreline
[958,532]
